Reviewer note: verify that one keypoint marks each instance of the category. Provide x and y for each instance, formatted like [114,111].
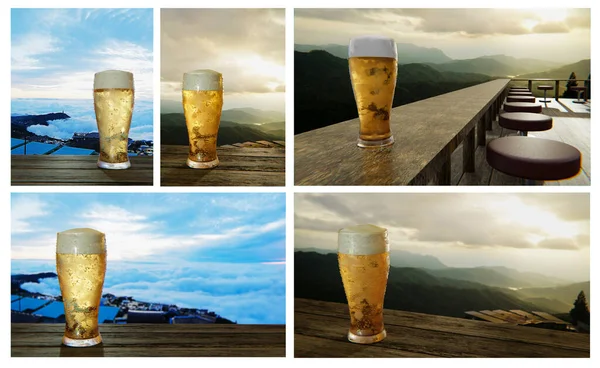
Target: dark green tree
[571,83]
[581,310]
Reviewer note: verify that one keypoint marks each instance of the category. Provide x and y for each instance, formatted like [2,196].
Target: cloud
[246,45]
[24,209]
[559,243]
[550,27]
[463,220]
[246,293]
[27,50]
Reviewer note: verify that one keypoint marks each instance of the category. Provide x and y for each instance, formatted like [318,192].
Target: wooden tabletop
[424,132]
[321,328]
[242,164]
[77,170]
[154,340]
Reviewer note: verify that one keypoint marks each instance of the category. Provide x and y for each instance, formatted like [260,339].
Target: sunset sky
[246,45]
[553,34]
[545,233]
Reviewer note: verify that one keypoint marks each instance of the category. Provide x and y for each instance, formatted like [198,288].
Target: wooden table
[77,170]
[321,328]
[426,133]
[146,340]
[242,164]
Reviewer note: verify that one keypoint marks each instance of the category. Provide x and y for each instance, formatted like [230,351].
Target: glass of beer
[373,62]
[113,104]
[202,104]
[364,261]
[81,265]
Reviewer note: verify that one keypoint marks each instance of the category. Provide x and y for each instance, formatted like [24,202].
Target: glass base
[114,166]
[202,165]
[81,343]
[357,339]
[374,144]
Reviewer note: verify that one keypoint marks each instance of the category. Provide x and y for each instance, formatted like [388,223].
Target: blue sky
[55,52]
[225,252]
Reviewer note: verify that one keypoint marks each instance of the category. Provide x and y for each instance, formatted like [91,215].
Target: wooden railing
[556,84]
[425,132]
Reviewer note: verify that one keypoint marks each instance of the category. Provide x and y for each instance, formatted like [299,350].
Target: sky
[55,52]
[536,232]
[223,251]
[246,45]
[552,34]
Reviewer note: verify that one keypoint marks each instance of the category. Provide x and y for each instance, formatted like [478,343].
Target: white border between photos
[289,189]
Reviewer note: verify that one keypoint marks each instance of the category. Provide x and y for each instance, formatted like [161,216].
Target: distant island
[32,307]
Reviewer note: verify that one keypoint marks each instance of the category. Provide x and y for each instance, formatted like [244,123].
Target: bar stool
[525,122]
[520,93]
[545,88]
[580,90]
[513,98]
[522,107]
[533,158]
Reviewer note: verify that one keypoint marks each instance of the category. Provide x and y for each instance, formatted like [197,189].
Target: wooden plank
[547,316]
[174,177]
[527,315]
[422,130]
[494,334]
[77,170]
[469,152]
[155,340]
[410,339]
[304,347]
[484,317]
[238,166]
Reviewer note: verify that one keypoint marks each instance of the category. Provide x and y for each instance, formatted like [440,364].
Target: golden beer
[81,266]
[373,71]
[364,262]
[202,105]
[113,104]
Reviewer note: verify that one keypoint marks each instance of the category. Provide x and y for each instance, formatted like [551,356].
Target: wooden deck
[321,328]
[571,124]
[426,133]
[159,340]
[77,170]
[259,163]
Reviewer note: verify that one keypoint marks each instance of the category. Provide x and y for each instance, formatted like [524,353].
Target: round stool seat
[578,88]
[512,98]
[545,88]
[533,158]
[525,88]
[520,94]
[522,107]
[525,121]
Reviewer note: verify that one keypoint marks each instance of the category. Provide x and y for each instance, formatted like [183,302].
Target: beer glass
[202,104]
[373,69]
[364,261]
[81,265]
[113,104]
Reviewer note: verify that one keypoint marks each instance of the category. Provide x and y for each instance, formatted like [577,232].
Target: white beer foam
[80,241]
[202,80]
[374,46]
[113,79]
[363,240]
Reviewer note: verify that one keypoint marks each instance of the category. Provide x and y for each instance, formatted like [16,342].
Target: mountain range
[492,65]
[323,92]
[237,126]
[445,291]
